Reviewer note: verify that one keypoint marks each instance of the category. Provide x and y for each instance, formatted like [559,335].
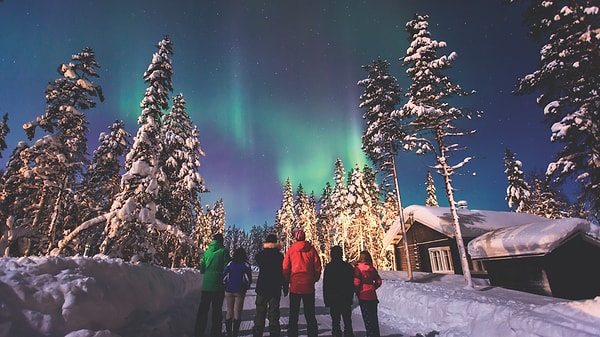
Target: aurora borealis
[272,85]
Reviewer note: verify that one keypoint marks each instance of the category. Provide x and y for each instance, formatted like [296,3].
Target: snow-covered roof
[538,238]
[472,222]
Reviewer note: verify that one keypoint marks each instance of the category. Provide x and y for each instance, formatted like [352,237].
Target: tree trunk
[402,224]
[446,173]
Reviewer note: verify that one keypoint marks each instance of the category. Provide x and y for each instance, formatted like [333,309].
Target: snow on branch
[85,225]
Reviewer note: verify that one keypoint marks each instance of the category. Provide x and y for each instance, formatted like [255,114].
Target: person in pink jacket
[302,269]
[366,281]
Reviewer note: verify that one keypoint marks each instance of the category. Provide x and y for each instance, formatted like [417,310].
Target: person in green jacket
[213,263]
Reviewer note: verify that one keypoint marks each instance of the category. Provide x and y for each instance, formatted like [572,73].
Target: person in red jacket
[366,281]
[302,269]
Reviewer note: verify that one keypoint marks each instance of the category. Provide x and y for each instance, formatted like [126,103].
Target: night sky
[272,85]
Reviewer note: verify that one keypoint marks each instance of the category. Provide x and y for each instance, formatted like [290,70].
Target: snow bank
[442,303]
[57,296]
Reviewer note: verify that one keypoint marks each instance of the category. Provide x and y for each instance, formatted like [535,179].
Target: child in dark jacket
[237,278]
[338,291]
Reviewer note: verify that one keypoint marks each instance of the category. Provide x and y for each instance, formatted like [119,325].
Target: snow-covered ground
[102,297]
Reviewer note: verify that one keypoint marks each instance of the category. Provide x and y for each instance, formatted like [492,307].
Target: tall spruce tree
[517,192]
[382,137]
[285,218]
[434,118]
[568,87]
[133,232]
[56,161]
[100,183]
[182,183]
[339,206]
[326,222]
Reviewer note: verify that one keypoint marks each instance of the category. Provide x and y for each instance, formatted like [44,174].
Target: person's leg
[369,313]
[274,315]
[238,305]
[230,305]
[217,313]
[294,313]
[346,312]
[202,314]
[308,302]
[259,316]
[335,313]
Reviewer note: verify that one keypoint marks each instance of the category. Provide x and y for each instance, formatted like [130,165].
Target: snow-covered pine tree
[339,206]
[133,229]
[217,219]
[285,217]
[382,137]
[326,222]
[364,231]
[567,80]
[544,200]
[56,161]
[312,223]
[305,216]
[182,184]
[15,206]
[100,184]
[433,117]
[517,192]
[431,198]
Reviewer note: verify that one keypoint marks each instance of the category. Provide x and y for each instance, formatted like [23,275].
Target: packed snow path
[322,313]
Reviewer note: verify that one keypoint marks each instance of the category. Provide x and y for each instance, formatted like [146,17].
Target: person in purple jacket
[237,278]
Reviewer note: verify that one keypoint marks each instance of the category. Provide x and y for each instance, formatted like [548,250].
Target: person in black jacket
[338,292]
[269,284]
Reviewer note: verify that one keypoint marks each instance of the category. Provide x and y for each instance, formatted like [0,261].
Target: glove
[286,288]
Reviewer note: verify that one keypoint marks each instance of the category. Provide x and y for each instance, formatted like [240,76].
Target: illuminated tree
[285,217]
[384,133]
[57,160]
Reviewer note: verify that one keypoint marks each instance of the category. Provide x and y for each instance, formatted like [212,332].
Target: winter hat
[299,235]
[271,238]
[218,237]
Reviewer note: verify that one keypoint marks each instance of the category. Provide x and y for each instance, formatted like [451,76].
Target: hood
[303,246]
[214,245]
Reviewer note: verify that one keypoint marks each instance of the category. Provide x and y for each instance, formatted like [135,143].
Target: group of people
[226,279]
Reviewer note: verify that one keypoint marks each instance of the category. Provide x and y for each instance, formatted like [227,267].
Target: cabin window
[441,260]
[479,267]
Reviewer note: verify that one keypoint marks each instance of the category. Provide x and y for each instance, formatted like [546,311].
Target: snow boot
[229,327]
[275,330]
[257,331]
[236,327]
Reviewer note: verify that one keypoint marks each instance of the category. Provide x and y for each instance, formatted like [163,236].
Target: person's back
[269,285]
[302,269]
[212,265]
[338,292]
[366,282]
[237,278]
[270,277]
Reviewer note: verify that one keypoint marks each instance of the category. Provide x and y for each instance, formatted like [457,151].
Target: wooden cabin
[431,240]
[553,257]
